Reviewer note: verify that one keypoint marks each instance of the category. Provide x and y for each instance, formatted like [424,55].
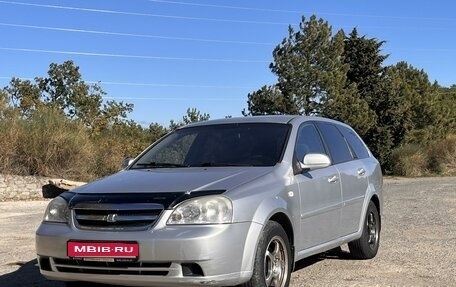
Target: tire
[366,246]
[272,266]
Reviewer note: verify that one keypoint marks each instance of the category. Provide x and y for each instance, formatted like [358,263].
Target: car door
[352,177]
[320,194]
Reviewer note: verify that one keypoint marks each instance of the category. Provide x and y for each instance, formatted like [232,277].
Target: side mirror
[126,162]
[314,161]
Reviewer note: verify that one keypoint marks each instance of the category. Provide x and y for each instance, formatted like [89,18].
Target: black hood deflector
[167,199]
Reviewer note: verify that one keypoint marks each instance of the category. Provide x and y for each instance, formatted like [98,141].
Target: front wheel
[272,266]
[366,247]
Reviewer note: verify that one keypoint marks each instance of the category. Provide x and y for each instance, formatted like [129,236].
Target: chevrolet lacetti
[221,203]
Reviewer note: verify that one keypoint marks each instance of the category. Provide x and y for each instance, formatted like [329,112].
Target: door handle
[333,179]
[361,171]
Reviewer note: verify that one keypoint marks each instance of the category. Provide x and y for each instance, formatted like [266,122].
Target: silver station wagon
[219,203]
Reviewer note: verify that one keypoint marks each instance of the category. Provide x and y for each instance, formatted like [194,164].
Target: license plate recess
[103,251]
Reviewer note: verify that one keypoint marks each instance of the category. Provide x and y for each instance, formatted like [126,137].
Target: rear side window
[355,142]
[308,141]
[335,142]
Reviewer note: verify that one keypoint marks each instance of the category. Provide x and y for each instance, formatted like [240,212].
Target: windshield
[248,144]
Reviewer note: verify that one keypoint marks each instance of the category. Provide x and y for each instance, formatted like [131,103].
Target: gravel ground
[418,242]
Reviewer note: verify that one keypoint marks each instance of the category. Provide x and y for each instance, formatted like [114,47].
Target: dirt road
[418,243]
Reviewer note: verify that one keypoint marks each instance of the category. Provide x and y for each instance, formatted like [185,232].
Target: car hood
[174,180]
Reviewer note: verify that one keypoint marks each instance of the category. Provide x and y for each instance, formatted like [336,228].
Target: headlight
[57,211]
[203,210]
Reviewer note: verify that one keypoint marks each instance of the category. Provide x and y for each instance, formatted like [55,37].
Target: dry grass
[437,158]
[442,156]
[47,144]
[409,160]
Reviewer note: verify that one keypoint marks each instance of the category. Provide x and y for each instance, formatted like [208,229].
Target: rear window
[355,143]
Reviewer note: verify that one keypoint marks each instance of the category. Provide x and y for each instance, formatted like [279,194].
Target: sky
[166,56]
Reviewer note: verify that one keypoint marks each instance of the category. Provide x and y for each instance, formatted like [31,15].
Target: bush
[10,133]
[115,144]
[46,144]
[107,156]
[437,158]
[409,160]
[442,156]
[50,144]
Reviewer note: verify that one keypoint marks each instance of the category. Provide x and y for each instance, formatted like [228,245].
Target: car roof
[280,119]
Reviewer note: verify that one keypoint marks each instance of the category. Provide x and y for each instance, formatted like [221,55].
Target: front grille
[116,216]
[112,268]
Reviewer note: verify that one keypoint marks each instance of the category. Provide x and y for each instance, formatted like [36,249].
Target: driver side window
[308,141]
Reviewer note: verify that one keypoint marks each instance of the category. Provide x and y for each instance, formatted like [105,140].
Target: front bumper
[224,252]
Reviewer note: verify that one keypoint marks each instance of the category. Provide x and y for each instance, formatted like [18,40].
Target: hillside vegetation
[59,125]
[408,122]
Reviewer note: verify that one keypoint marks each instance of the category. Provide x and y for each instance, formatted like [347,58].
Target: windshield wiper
[154,164]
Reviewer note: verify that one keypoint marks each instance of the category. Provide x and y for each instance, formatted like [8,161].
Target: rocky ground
[418,242]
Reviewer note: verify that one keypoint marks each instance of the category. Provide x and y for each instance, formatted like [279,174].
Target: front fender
[265,211]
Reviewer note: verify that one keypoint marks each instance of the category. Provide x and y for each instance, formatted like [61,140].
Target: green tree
[446,97]
[64,90]
[312,78]
[193,115]
[156,131]
[24,96]
[366,71]
[410,111]
[4,105]
[308,66]
[365,66]
[411,102]
[352,110]
[269,100]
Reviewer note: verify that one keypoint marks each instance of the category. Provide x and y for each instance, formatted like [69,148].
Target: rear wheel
[272,266]
[366,246]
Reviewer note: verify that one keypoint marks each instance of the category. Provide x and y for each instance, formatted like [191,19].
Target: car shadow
[333,254]
[28,274]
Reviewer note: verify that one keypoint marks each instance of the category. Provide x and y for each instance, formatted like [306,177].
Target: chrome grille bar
[116,216]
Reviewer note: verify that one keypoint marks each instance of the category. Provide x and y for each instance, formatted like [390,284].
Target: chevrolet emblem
[112,217]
